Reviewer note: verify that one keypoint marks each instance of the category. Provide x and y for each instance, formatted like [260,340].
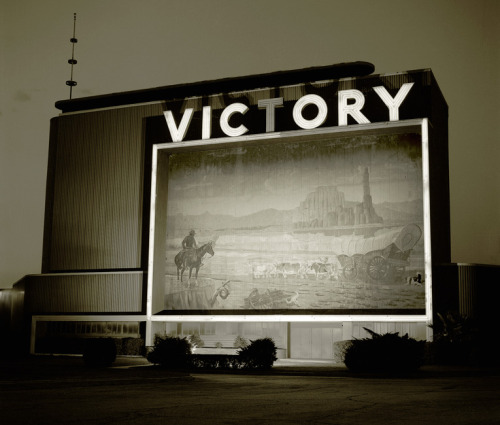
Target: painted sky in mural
[245,180]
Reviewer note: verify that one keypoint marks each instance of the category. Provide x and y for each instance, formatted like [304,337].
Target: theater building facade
[301,205]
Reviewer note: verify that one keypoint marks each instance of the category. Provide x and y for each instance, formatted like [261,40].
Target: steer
[263,270]
[322,269]
[290,269]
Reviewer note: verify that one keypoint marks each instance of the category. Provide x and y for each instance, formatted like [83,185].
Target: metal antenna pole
[72,61]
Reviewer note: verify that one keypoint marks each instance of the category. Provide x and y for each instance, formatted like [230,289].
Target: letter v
[178,134]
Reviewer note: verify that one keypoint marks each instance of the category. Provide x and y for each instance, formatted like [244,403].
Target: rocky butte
[326,207]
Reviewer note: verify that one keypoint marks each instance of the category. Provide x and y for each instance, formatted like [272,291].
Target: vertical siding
[316,340]
[467,289]
[414,330]
[11,309]
[84,293]
[97,197]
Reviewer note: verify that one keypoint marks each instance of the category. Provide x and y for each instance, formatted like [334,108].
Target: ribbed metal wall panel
[97,198]
[467,289]
[84,293]
[11,309]
[392,81]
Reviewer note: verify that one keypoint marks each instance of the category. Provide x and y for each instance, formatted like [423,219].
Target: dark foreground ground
[61,390]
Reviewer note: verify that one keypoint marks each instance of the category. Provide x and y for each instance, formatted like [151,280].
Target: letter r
[353,109]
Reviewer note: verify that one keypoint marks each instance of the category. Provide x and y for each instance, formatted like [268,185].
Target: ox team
[319,269]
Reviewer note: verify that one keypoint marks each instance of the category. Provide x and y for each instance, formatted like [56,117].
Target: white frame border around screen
[420,125]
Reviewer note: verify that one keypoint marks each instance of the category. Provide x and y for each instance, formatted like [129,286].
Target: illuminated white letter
[393,104]
[226,115]
[302,103]
[353,109]
[206,126]
[178,134]
[269,105]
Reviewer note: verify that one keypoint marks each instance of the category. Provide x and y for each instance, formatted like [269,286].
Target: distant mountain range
[207,221]
[391,212]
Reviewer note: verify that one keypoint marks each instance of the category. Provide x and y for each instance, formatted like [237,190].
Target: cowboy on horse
[191,256]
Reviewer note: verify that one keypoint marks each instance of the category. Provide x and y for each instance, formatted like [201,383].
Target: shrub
[196,340]
[215,361]
[132,347]
[170,352]
[384,353]
[455,328]
[259,354]
[458,340]
[240,342]
[99,352]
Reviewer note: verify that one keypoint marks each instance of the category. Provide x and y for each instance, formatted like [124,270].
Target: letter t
[269,105]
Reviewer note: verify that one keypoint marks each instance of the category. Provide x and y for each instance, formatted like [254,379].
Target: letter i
[206,129]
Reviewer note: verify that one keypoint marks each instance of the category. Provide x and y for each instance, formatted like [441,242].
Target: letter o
[302,103]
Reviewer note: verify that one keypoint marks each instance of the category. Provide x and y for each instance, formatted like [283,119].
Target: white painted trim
[278,136]
[427,224]
[290,318]
[152,217]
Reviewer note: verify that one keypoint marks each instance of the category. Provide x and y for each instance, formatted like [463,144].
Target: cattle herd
[321,269]
[315,269]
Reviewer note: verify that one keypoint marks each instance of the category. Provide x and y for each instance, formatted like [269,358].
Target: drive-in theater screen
[322,222]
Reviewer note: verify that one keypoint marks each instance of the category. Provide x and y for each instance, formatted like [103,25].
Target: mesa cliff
[326,207]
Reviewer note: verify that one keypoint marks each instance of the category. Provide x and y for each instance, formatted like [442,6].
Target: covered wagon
[381,257]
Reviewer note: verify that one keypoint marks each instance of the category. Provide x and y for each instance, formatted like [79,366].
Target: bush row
[457,341]
[388,352]
[176,353]
[460,340]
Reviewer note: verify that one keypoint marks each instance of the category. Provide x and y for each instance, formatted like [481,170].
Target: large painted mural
[322,226]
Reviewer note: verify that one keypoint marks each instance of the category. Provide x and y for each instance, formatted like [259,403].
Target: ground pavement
[61,390]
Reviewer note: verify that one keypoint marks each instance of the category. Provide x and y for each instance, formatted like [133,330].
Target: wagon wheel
[350,271]
[377,268]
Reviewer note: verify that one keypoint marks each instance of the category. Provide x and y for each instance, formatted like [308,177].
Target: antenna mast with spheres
[71,83]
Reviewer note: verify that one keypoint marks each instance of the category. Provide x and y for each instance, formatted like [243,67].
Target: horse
[191,258]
